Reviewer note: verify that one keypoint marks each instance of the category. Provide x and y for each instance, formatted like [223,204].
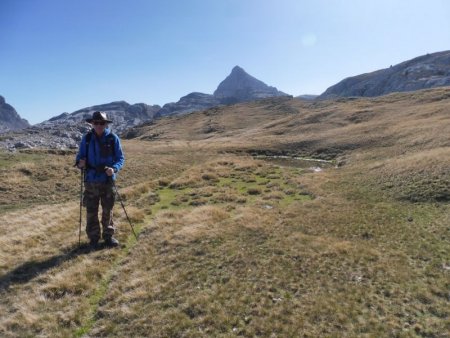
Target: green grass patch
[7,160]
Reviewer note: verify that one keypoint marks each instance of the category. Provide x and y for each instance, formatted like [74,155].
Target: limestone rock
[242,87]
[66,130]
[237,87]
[427,71]
[123,115]
[189,103]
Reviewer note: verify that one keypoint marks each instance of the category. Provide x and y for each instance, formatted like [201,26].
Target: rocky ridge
[65,130]
[123,115]
[427,71]
[9,118]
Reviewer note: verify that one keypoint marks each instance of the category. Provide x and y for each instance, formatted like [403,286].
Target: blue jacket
[103,151]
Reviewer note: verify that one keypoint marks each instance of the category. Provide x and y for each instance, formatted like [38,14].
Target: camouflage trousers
[94,194]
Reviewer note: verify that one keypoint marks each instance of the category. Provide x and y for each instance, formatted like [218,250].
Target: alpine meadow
[279,217]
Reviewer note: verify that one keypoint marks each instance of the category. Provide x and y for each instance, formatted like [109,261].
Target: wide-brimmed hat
[98,116]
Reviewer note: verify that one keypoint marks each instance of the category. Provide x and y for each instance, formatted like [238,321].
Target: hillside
[388,128]
[234,244]
[426,71]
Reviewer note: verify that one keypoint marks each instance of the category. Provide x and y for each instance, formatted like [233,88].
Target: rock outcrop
[189,103]
[65,130]
[123,115]
[48,137]
[9,119]
[427,71]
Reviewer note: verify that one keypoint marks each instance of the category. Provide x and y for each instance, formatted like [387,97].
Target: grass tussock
[132,192]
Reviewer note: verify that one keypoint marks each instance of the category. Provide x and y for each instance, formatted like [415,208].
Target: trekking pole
[81,205]
[120,200]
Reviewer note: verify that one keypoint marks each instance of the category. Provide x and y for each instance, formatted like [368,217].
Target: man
[100,154]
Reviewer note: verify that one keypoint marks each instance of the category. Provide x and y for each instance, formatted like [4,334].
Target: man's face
[99,127]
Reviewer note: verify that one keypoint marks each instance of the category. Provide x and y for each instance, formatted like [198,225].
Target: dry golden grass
[265,272]
[35,178]
[43,276]
[395,120]
[233,246]
[48,286]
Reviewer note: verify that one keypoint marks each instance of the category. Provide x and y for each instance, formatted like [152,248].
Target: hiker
[100,154]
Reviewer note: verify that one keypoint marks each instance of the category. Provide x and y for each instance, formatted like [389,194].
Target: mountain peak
[239,86]
[9,119]
[237,69]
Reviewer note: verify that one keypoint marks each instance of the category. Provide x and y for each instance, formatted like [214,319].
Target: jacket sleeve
[81,150]
[119,159]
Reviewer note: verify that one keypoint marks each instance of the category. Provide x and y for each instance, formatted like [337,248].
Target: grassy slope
[233,246]
[406,132]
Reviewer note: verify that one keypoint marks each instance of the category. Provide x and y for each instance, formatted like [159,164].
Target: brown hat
[98,116]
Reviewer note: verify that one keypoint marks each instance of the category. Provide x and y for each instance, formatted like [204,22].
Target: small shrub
[163,182]
[198,202]
[210,177]
[184,198]
[289,192]
[182,183]
[225,197]
[175,203]
[254,191]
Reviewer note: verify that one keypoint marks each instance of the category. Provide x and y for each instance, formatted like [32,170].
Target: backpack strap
[87,141]
[111,138]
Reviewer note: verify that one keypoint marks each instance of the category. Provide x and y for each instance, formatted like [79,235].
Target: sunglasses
[98,123]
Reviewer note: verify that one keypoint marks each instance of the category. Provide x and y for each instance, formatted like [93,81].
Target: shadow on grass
[29,270]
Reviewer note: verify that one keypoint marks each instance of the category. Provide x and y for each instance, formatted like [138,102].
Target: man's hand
[82,164]
[109,171]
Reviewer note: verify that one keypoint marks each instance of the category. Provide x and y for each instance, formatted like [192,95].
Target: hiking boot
[111,242]
[93,244]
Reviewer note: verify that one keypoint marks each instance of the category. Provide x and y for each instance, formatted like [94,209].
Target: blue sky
[62,55]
